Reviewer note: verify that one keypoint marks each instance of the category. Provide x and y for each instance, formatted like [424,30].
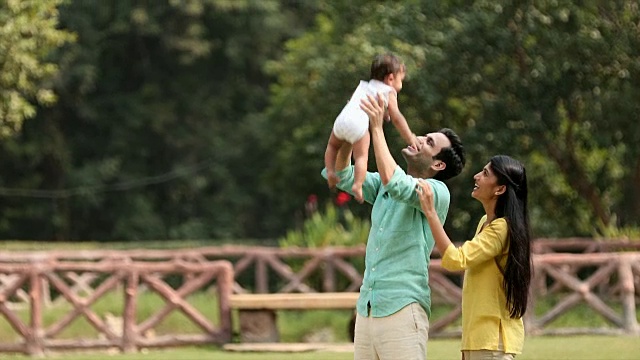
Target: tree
[198,119]
[28,33]
[552,83]
[153,136]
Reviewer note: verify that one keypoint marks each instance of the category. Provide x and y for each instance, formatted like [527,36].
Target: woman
[497,261]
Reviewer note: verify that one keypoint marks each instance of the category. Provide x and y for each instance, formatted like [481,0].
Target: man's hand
[385,162]
[374,107]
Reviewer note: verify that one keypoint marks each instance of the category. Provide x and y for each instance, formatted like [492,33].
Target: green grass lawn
[536,348]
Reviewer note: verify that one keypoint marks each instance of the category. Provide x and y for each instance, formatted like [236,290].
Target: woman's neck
[490,210]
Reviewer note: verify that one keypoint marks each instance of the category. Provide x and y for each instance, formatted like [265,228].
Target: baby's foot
[357,193]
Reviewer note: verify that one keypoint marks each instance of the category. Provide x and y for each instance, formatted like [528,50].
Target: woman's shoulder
[499,226]
[496,225]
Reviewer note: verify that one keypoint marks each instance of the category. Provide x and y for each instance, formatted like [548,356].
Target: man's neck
[420,174]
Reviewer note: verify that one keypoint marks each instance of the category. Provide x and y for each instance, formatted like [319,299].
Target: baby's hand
[413,141]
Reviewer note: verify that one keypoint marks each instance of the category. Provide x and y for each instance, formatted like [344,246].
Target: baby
[351,127]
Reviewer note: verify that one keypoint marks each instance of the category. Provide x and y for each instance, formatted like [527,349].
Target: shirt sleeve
[486,245]
[402,187]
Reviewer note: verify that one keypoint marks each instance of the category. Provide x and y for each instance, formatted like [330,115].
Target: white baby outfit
[352,122]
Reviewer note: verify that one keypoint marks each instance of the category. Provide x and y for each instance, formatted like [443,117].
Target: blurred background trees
[28,32]
[209,118]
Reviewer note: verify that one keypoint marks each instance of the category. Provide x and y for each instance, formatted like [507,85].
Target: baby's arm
[399,121]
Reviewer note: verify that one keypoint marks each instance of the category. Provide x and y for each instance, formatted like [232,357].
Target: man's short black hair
[453,156]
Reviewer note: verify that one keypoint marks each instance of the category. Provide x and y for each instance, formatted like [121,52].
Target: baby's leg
[330,159]
[361,157]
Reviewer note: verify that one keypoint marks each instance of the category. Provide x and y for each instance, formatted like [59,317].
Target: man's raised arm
[374,107]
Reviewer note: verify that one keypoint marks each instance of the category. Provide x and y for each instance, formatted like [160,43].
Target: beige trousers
[401,336]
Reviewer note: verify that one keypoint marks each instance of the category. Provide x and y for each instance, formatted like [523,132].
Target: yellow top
[484,303]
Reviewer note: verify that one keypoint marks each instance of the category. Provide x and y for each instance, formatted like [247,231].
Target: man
[395,300]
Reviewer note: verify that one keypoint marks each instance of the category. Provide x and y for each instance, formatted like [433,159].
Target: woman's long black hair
[512,205]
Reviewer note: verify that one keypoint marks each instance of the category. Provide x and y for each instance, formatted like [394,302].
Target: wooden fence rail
[608,283]
[125,277]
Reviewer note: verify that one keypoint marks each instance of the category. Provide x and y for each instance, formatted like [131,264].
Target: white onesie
[352,122]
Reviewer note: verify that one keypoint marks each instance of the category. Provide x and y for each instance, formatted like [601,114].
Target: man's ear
[438,165]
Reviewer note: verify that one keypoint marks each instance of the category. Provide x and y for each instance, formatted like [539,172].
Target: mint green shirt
[400,242]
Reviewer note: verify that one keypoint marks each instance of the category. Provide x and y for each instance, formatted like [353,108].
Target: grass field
[536,348]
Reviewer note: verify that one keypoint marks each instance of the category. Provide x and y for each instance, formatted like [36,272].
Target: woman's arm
[425,193]
[486,245]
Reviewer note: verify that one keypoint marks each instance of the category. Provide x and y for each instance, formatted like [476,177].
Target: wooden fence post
[129,335]
[224,284]
[261,276]
[34,342]
[329,273]
[627,294]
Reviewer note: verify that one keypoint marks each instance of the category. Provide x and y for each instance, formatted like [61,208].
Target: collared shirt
[399,244]
[484,302]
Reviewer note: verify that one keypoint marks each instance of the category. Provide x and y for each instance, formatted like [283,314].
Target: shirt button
[377,249]
[374,269]
[370,289]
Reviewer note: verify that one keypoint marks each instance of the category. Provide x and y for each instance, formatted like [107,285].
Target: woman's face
[486,186]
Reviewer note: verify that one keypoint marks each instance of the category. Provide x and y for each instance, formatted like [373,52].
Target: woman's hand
[425,194]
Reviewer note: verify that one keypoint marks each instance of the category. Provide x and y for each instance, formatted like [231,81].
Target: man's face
[428,146]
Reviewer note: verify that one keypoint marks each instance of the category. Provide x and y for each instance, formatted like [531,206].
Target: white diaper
[352,122]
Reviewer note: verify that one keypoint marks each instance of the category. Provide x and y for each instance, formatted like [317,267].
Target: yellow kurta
[484,303]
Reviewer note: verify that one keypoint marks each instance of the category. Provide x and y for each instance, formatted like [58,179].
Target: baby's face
[398,77]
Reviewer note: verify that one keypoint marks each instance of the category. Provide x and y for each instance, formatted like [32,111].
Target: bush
[336,226]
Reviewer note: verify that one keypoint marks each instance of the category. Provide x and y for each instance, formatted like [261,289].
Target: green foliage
[620,233]
[551,83]
[209,118]
[155,131]
[336,226]
[22,245]
[28,33]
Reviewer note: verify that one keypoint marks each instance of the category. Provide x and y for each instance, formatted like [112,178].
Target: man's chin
[407,154]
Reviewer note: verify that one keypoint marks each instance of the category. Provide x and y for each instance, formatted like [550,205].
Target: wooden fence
[608,283]
[36,280]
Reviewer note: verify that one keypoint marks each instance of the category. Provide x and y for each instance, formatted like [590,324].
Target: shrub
[336,226]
